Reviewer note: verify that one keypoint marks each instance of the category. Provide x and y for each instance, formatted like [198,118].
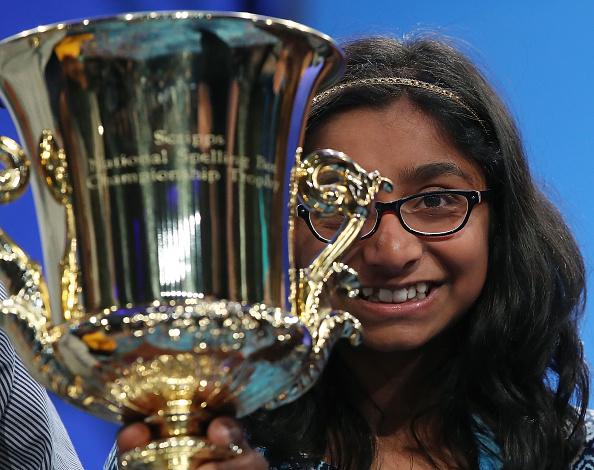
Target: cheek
[467,257]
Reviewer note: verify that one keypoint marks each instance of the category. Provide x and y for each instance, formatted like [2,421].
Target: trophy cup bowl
[163,152]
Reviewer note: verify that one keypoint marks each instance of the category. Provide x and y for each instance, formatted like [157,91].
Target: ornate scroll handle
[14,178]
[54,167]
[329,182]
[332,328]
[21,276]
[55,170]
[24,283]
[24,314]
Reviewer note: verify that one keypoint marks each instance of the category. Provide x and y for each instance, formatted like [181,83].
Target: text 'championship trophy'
[162,148]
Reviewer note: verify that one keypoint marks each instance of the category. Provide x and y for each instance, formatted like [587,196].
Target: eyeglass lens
[429,214]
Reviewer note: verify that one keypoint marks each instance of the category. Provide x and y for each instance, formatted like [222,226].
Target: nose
[391,249]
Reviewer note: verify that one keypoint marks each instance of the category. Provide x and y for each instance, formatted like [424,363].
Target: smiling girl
[472,287]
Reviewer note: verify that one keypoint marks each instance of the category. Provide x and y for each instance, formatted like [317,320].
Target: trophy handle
[333,327]
[329,182]
[54,168]
[25,313]
[15,176]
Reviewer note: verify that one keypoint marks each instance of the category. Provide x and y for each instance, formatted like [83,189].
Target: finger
[224,430]
[250,461]
[134,435]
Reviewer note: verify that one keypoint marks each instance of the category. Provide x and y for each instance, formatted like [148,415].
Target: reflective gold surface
[15,176]
[174,130]
[328,182]
[176,452]
[162,148]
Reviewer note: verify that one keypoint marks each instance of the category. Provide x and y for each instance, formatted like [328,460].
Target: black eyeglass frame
[474,197]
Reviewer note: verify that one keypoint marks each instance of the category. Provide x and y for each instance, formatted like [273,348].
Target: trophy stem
[183,445]
[175,453]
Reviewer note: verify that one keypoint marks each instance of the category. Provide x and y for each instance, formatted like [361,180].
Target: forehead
[400,141]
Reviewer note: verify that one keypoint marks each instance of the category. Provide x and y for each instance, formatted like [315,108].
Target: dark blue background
[537,53]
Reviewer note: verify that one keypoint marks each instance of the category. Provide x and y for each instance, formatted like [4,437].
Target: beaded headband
[411,82]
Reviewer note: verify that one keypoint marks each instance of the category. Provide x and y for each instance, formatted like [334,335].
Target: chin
[390,343]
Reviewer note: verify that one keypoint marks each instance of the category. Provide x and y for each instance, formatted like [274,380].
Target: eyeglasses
[430,214]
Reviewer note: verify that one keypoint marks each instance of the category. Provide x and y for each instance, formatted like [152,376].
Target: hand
[222,431]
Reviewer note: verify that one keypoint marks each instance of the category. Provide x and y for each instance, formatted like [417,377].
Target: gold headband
[396,81]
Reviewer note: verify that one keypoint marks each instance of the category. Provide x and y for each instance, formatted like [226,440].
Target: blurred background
[536,53]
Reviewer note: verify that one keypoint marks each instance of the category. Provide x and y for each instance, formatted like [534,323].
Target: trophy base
[176,453]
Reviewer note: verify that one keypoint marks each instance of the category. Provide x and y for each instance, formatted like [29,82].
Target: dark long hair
[518,373]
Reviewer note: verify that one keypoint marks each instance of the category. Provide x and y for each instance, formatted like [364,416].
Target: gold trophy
[162,148]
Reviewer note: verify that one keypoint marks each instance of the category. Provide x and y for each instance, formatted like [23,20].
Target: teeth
[419,291]
[412,292]
[385,295]
[400,295]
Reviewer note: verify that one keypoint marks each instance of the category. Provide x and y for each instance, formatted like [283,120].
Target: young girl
[472,287]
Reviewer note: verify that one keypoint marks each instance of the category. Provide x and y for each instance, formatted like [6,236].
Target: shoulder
[586,459]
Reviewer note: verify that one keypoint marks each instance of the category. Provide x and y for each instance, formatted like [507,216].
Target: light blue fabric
[489,452]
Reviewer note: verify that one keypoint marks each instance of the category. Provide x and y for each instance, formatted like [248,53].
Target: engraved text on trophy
[180,157]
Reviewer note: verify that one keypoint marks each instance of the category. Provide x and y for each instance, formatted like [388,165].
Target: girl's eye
[333,222]
[437,200]
[436,203]
[327,225]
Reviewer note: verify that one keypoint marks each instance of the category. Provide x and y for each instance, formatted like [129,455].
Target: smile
[417,291]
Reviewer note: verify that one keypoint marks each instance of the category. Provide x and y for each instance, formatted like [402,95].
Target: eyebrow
[429,171]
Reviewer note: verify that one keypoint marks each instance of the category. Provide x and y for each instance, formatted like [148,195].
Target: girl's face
[406,146]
